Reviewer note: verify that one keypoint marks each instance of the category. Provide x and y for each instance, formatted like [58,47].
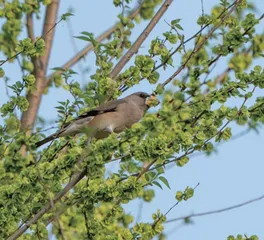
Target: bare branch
[134,48]
[216,211]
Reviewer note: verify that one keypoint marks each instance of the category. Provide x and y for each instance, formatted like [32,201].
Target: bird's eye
[142,95]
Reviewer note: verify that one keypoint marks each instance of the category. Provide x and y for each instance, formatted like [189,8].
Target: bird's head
[145,99]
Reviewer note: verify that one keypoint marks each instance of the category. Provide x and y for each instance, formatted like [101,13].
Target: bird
[114,116]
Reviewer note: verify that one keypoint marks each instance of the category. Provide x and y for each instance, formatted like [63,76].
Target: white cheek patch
[146,100]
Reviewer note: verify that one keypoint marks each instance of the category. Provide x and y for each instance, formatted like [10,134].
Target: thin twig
[146,169]
[216,211]
[155,223]
[200,45]
[20,66]
[202,6]
[31,33]
[75,49]
[190,38]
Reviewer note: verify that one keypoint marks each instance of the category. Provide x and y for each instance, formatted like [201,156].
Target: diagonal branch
[89,47]
[171,208]
[200,45]
[48,206]
[134,48]
[216,211]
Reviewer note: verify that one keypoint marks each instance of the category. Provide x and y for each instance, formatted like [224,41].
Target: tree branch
[30,28]
[34,97]
[190,38]
[216,211]
[50,21]
[171,208]
[134,48]
[81,174]
[48,206]
[60,228]
[124,88]
[89,47]
[200,45]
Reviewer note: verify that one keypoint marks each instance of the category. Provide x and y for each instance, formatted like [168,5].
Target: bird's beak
[152,101]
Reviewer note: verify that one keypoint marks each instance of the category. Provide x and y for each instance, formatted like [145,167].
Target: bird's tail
[47,139]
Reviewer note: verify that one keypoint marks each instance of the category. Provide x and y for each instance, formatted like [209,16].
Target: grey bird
[114,116]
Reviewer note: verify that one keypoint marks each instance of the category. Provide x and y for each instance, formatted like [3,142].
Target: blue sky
[233,175]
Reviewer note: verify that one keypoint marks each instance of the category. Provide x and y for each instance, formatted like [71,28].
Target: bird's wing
[103,108]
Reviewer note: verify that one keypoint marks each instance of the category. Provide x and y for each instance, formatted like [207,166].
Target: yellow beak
[152,101]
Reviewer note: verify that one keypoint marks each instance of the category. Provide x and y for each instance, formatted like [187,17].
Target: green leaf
[178,26]
[83,38]
[257,69]
[165,181]
[188,193]
[87,34]
[179,196]
[58,69]
[175,21]
[66,15]
[160,89]
[2,73]
[182,161]
[157,184]
[227,133]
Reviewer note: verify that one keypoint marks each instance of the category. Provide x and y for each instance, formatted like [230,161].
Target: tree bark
[40,67]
